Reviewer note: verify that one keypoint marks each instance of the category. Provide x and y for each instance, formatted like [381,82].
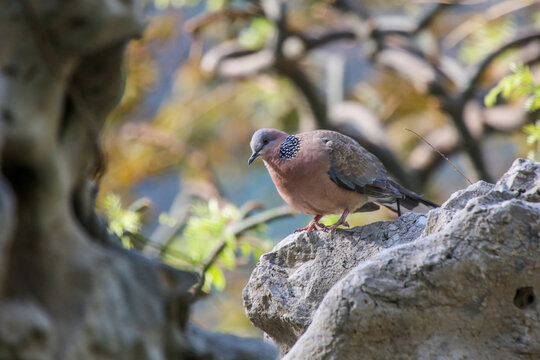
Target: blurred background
[206,74]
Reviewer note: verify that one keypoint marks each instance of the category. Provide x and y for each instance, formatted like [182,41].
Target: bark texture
[465,287]
[67,289]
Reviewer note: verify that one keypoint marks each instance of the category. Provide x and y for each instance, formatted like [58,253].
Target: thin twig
[197,288]
[261,218]
[143,241]
[441,154]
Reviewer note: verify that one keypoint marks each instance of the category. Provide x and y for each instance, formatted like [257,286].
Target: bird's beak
[253,157]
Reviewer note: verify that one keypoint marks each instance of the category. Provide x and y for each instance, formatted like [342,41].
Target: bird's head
[265,142]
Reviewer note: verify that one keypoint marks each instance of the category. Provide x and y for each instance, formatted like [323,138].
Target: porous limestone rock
[288,283]
[465,288]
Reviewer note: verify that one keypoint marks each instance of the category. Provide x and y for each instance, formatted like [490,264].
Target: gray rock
[465,289]
[212,345]
[288,283]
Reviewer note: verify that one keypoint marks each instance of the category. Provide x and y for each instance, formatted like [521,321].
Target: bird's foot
[313,225]
[342,221]
[332,227]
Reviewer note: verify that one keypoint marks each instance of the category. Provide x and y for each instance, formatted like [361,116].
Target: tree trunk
[67,289]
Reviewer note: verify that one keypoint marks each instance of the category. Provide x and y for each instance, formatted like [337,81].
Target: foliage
[533,140]
[121,221]
[206,232]
[255,35]
[486,39]
[521,83]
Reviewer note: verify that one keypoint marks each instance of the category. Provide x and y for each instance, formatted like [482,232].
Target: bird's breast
[305,185]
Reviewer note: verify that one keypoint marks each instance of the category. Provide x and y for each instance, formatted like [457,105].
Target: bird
[324,172]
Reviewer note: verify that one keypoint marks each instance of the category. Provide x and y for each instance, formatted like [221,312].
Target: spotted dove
[324,172]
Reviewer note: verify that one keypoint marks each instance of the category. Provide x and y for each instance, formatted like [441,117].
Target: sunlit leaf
[215,5]
[120,220]
[166,219]
[533,132]
[126,242]
[228,257]
[491,98]
[245,249]
[257,253]
[486,39]
[520,82]
[203,233]
[215,278]
[256,34]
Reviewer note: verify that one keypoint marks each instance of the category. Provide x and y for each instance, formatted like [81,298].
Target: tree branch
[529,36]
[426,19]
[294,73]
[354,6]
[312,42]
[456,106]
[263,217]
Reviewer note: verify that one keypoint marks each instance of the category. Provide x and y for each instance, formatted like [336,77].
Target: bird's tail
[407,201]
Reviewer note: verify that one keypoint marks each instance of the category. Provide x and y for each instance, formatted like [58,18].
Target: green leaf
[216,278]
[205,228]
[228,257]
[120,220]
[486,39]
[533,102]
[533,132]
[245,249]
[166,219]
[126,242]
[519,83]
[491,97]
[257,253]
[256,34]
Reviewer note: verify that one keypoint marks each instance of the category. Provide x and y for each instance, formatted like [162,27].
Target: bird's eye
[265,141]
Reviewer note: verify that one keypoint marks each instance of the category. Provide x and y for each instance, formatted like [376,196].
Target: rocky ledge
[460,282]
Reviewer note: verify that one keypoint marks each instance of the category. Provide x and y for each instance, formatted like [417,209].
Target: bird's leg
[398,208]
[341,220]
[313,224]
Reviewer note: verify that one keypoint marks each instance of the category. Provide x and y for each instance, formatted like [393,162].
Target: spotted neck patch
[289,147]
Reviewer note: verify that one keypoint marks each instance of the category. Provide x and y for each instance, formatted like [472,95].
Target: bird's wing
[354,168]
